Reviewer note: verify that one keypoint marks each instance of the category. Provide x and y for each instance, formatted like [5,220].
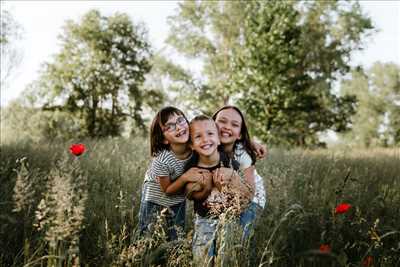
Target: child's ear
[165,142]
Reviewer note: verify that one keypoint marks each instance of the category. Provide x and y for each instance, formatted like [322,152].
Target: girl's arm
[175,187]
[193,192]
[259,149]
[250,178]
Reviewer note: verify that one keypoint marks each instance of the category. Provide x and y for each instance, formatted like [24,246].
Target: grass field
[59,210]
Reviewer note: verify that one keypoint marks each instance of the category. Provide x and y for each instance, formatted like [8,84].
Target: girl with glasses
[165,180]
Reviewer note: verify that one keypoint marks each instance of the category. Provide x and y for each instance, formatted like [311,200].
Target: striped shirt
[164,164]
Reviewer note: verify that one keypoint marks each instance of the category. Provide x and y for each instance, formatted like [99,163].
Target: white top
[245,162]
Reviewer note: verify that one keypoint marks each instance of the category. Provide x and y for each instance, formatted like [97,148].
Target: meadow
[57,209]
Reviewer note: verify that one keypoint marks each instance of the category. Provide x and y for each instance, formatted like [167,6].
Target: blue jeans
[204,239]
[175,217]
[213,242]
[248,218]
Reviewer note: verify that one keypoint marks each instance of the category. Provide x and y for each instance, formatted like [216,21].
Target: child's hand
[194,175]
[217,178]
[259,149]
[222,176]
[194,187]
[206,176]
[201,186]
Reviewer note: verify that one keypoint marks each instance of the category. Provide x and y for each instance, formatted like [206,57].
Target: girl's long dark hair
[245,136]
[156,132]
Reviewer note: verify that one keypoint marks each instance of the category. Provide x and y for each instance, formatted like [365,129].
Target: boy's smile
[204,136]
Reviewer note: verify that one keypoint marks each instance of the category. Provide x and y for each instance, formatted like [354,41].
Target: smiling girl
[235,139]
[164,183]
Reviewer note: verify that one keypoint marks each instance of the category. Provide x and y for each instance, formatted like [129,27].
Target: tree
[99,73]
[291,57]
[208,31]
[278,60]
[376,122]
[11,56]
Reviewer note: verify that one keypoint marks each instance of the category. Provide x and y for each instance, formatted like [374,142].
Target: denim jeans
[175,217]
[248,218]
[214,243]
[204,240]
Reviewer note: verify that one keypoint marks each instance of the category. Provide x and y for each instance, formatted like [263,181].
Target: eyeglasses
[169,127]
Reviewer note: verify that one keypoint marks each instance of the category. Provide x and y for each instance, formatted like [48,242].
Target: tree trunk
[92,117]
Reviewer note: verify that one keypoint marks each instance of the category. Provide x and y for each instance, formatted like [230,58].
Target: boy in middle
[223,188]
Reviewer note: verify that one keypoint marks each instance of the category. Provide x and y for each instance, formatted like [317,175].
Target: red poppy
[325,248]
[77,149]
[342,208]
[368,261]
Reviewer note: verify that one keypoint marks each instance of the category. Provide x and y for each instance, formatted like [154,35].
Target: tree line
[279,61]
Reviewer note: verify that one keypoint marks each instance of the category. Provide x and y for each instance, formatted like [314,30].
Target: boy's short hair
[201,117]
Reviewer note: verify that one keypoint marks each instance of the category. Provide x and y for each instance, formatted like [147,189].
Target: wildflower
[325,248]
[77,149]
[368,261]
[342,208]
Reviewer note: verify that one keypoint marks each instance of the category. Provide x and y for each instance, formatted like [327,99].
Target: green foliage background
[279,61]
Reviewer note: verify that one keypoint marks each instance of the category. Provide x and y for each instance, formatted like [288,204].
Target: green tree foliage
[99,73]
[11,56]
[377,121]
[22,119]
[172,79]
[278,60]
[207,31]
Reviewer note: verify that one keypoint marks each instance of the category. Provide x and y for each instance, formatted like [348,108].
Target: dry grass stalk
[23,190]
[60,213]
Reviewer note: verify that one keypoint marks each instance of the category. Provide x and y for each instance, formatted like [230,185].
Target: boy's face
[176,130]
[204,136]
[229,124]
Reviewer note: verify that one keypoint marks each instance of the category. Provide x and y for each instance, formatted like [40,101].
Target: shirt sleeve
[160,167]
[244,159]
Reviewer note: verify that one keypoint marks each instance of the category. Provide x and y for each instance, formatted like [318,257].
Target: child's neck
[228,148]
[181,151]
[209,161]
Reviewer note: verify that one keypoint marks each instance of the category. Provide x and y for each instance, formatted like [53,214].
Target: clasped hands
[218,177]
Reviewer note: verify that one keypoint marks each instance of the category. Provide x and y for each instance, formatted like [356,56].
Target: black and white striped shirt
[164,164]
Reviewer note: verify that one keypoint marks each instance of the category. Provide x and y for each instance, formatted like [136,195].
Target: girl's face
[176,130]
[204,136]
[229,123]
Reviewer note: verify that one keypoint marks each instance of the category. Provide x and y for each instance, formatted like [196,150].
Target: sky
[42,22]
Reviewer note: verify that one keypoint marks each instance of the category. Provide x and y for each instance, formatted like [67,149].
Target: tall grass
[304,188]
[59,210]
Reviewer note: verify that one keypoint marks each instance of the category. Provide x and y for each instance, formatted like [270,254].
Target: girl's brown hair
[156,133]
[245,136]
